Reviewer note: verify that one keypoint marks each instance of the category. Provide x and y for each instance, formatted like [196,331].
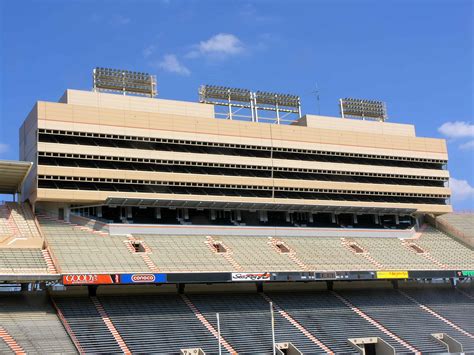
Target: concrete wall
[123,229]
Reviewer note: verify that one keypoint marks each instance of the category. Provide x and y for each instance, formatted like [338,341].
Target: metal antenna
[316,92]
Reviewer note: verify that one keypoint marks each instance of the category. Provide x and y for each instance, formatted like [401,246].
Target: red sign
[89,279]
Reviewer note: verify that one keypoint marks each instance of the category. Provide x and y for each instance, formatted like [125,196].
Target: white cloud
[458,129]
[171,64]
[460,189]
[222,44]
[148,51]
[4,148]
[468,145]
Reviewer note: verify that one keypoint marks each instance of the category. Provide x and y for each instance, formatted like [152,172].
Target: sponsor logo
[88,279]
[143,278]
[468,273]
[392,274]
[256,276]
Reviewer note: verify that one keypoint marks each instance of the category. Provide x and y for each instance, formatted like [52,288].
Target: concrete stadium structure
[140,219]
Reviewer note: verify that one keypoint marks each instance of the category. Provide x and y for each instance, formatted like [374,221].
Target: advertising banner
[142,278]
[392,274]
[466,273]
[90,279]
[250,276]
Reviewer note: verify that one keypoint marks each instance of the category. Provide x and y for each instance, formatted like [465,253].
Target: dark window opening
[357,249]
[282,247]
[416,248]
[219,247]
[370,349]
[138,247]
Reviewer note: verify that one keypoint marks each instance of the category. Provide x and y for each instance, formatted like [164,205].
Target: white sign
[250,276]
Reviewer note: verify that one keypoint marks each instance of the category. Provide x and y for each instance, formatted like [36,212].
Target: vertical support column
[377,219]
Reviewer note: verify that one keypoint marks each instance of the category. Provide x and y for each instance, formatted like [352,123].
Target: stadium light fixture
[124,81]
[238,101]
[365,109]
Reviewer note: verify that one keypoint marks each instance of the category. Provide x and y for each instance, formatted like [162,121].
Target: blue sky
[416,55]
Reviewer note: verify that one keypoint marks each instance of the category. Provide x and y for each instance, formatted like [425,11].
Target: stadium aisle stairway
[404,318]
[164,323]
[32,322]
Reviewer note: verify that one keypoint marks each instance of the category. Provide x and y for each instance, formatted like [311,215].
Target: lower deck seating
[454,306]
[163,323]
[87,325]
[33,323]
[246,323]
[405,318]
[158,323]
[329,319]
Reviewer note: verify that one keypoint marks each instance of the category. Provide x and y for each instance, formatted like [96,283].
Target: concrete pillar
[129,212]
[333,218]
[397,219]
[99,211]
[185,213]
[311,219]
[157,213]
[238,215]
[213,215]
[287,217]
[354,219]
[377,219]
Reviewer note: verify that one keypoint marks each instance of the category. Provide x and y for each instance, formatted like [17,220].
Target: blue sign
[142,278]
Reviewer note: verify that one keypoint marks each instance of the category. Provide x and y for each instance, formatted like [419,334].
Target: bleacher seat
[327,254]
[33,323]
[80,251]
[445,249]
[405,318]
[183,254]
[21,261]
